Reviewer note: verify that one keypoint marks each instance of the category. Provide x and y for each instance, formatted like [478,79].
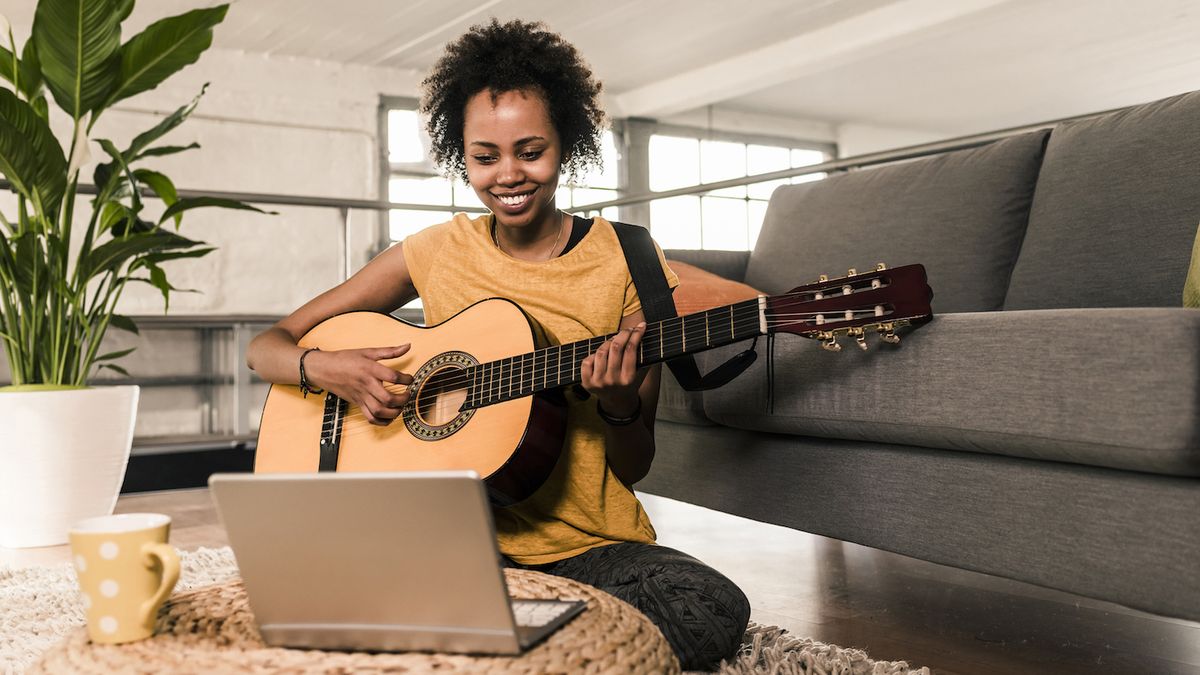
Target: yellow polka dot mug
[126,570]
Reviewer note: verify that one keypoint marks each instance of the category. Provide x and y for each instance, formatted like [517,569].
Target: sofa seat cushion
[1104,387]
[961,214]
[1115,211]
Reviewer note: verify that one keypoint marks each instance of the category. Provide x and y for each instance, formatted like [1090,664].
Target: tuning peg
[859,336]
[851,272]
[822,278]
[879,267]
[831,345]
[887,333]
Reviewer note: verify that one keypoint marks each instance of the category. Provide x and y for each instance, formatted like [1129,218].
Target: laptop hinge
[331,432]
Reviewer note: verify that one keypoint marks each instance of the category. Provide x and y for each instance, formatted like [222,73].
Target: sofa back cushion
[1115,211]
[962,214]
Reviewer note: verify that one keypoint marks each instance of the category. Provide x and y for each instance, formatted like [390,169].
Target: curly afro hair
[514,56]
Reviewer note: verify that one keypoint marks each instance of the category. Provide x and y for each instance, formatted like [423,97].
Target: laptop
[378,562]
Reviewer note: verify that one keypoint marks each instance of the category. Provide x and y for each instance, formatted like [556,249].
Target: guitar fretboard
[558,365]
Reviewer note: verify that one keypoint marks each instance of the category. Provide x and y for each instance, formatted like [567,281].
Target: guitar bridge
[331,432]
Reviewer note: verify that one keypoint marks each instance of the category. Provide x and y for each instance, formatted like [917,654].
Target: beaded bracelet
[305,387]
[619,421]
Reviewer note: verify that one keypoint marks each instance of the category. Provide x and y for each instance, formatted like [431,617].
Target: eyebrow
[523,141]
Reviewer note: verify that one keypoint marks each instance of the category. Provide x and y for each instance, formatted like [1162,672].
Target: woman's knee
[709,614]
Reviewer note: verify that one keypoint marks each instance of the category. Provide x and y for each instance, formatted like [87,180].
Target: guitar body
[513,444]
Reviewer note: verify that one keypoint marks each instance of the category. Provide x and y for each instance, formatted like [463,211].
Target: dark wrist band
[619,421]
[305,387]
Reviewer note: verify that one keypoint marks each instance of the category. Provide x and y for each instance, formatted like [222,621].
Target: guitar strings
[355,420]
[511,372]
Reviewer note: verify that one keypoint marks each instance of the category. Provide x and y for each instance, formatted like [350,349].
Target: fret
[707,340]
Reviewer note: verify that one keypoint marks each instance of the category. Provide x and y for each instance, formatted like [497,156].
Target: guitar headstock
[880,300]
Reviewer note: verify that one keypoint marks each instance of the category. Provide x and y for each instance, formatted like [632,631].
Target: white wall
[281,125]
[859,139]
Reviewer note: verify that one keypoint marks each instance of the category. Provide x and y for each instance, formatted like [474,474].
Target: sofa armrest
[728,264]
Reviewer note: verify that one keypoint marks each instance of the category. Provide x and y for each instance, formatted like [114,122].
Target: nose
[508,172]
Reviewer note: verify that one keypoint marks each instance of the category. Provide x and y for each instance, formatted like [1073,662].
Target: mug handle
[170,575]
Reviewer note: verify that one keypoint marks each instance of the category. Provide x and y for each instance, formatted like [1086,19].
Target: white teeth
[513,201]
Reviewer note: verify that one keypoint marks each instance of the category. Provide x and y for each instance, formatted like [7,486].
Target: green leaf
[167,150]
[144,139]
[122,322]
[6,65]
[78,43]
[156,258]
[46,171]
[112,366]
[165,47]
[115,355]
[188,203]
[124,9]
[40,106]
[120,160]
[31,71]
[111,255]
[162,186]
[18,159]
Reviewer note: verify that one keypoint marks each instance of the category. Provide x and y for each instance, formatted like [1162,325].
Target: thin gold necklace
[496,240]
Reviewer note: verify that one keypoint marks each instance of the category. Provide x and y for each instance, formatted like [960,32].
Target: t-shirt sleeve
[632,302]
[420,250]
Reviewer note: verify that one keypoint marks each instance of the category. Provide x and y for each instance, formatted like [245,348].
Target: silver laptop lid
[380,561]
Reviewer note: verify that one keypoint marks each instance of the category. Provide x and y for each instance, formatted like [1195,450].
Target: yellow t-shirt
[581,294]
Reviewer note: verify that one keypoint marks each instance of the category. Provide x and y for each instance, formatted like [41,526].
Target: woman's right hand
[357,376]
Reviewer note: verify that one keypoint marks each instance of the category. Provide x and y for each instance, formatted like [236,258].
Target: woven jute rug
[206,623]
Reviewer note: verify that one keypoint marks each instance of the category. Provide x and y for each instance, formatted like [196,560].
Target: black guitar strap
[657,305]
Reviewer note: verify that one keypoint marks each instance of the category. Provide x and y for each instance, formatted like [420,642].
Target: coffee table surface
[194,523]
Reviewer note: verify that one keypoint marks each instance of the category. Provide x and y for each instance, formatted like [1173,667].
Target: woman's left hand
[612,375]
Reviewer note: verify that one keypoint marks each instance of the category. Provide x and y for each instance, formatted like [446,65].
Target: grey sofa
[1044,427]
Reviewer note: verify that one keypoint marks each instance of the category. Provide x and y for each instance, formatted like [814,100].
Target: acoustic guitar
[485,398]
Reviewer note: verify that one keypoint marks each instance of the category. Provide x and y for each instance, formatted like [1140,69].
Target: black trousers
[700,611]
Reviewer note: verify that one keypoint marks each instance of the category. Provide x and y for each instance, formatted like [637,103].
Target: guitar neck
[558,365]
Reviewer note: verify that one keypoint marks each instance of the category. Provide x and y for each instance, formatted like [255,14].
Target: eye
[484,159]
[531,155]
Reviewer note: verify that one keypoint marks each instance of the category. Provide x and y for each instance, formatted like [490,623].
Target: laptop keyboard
[533,614]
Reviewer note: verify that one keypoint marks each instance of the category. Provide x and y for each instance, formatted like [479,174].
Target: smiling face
[513,156]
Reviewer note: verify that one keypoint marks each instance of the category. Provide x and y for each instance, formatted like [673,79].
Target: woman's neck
[533,243]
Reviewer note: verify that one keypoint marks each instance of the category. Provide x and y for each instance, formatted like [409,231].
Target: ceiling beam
[853,38]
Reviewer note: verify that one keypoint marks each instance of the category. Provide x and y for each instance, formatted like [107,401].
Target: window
[412,178]
[670,157]
[729,218]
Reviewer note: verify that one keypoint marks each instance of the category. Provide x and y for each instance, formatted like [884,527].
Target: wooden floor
[899,608]
[891,606]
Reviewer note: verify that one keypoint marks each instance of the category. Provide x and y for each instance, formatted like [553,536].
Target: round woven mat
[211,630]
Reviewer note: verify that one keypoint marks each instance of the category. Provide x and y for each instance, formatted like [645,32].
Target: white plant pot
[62,459]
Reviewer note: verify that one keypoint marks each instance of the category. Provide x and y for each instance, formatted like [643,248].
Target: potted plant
[63,265]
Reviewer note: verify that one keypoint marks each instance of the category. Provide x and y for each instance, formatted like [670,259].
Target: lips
[514,202]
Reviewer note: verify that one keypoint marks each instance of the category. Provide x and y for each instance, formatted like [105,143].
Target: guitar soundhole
[438,400]
[440,389]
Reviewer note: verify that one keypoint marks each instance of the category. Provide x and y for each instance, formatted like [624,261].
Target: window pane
[721,160]
[402,223]
[465,196]
[756,211]
[725,224]
[675,222]
[807,158]
[404,137]
[674,162]
[420,191]
[584,196]
[764,159]
[606,178]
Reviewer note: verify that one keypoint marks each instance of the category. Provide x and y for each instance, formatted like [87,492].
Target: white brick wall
[279,125]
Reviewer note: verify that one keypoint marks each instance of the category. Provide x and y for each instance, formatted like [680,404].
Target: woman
[509,108]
